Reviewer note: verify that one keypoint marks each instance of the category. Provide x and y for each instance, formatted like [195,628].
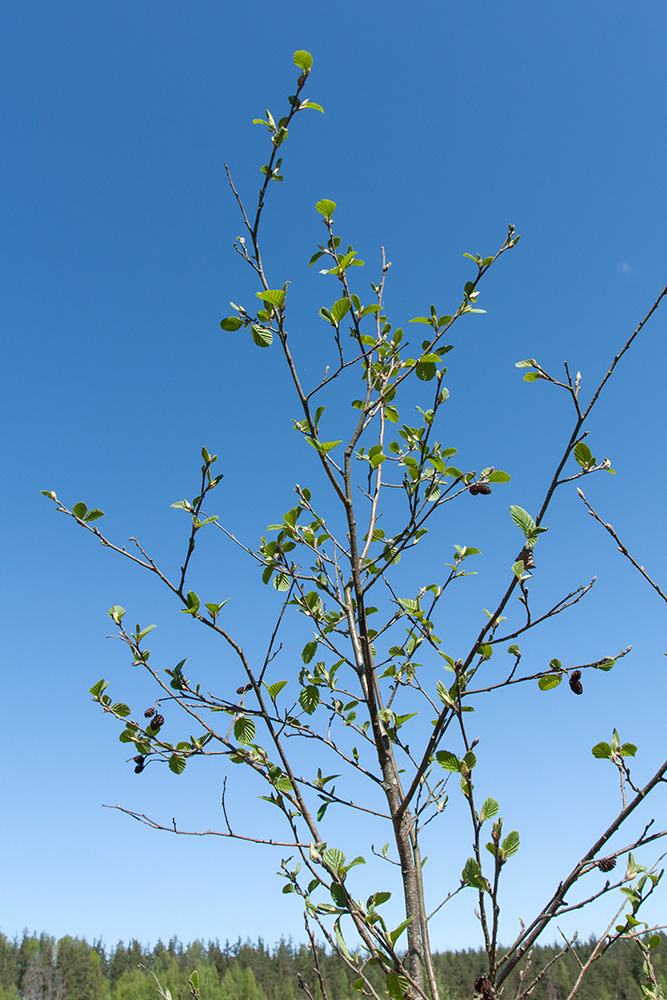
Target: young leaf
[177,763]
[549,681]
[244,730]
[489,809]
[261,335]
[231,323]
[510,844]
[448,760]
[309,698]
[583,454]
[522,519]
[274,297]
[304,61]
[326,208]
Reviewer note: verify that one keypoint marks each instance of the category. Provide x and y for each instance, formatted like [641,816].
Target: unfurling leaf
[326,208]
[303,61]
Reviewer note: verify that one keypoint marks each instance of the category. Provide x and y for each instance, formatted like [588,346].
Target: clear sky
[443,123]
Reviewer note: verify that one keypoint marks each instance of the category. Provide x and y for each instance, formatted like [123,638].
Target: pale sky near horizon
[443,123]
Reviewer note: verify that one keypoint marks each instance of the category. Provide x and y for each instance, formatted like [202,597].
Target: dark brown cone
[149,712]
[484,988]
[607,864]
[575,682]
[141,763]
[157,722]
[244,688]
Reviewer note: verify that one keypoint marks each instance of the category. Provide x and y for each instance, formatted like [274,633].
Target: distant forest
[43,968]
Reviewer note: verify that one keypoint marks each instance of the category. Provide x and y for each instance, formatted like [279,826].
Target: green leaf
[583,454]
[510,844]
[396,933]
[334,859]
[448,760]
[275,689]
[120,709]
[308,651]
[326,208]
[261,335]
[472,875]
[244,730]
[322,446]
[549,681]
[489,809]
[93,515]
[522,519]
[338,894]
[378,898]
[309,104]
[627,750]
[519,568]
[116,613]
[309,698]
[303,61]
[340,309]
[602,751]
[443,694]
[231,323]
[177,763]
[273,296]
[531,376]
[97,689]
[425,370]
[498,476]
[396,986]
[215,609]
[605,665]
[79,510]
[194,603]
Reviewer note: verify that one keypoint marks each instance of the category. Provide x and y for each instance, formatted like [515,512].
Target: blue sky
[443,123]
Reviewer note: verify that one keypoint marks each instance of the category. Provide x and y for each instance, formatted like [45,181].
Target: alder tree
[376,695]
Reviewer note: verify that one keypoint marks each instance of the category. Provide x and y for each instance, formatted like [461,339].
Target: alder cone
[484,987]
[607,864]
[575,682]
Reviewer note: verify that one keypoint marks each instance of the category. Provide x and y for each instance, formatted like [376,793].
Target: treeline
[43,968]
